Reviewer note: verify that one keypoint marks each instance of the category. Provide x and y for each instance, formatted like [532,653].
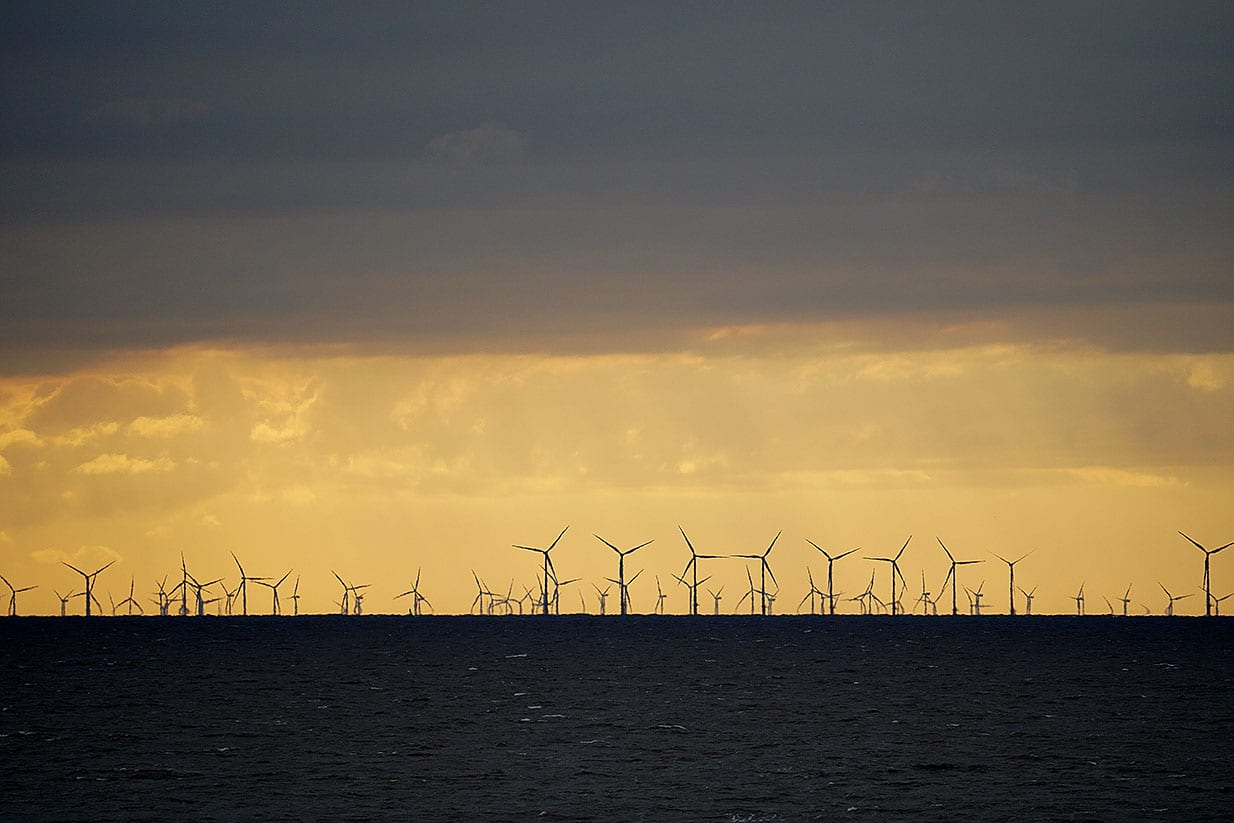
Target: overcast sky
[469,176]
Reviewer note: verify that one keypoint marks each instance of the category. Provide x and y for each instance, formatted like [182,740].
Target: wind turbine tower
[951,574]
[1208,553]
[548,565]
[621,571]
[1011,579]
[89,584]
[895,572]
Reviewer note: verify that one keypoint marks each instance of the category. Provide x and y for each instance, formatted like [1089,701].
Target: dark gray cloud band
[450,172]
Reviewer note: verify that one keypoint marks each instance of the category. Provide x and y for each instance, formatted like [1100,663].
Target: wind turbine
[274,590]
[1108,605]
[1028,599]
[64,601]
[13,595]
[660,597]
[477,604]
[602,594]
[345,604]
[295,597]
[951,574]
[716,596]
[1125,599]
[1217,604]
[693,564]
[814,590]
[621,569]
[357,599]
[417,598]
[927,604]
[1169,608]
[1011,579]
[130,600]
[548,564]
[766,570]
[1208,553]
[243,588]
[974,599]
[749,592]
[163,600]
[831,600]
[895,572]
[1079,600]
[89,587]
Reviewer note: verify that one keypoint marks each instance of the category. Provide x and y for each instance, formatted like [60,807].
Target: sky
[379,288]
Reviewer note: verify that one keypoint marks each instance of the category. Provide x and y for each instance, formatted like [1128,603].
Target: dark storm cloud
[326,171]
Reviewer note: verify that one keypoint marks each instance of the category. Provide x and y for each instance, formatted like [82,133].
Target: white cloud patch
[20,437]
[165,427]
[81,435]
[123,464]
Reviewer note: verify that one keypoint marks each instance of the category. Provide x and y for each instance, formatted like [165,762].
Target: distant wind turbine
[1208,553]
[130,601]
[243,588]
[1126,599]
[831,600]
[895,572]
[951,574]
[1173,598]
[1079,600]
[64,601]
[1011,578]
[621,570]
[1028,598]
[765,569]
[693,566]
[89,584]
[13,595]
[548,565]
[716,596]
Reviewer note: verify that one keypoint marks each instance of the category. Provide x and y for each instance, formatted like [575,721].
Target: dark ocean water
[645,718]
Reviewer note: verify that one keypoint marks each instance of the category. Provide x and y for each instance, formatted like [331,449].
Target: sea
[736,718]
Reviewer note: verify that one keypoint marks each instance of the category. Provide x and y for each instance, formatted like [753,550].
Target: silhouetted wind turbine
[345,604]
[1125,599]
[1079,600]
[1169,609]
[951,574]
[716,597]
[1028,599]
[621,569]
[274,591]
[1208,553]
[660,597]
[89,586]
[974,599]
[130,601]
[295,597]
[13,595]
[1011,578]
[417,598]
[831,600]
[766,569]
[548,564]
[243,588]
[1217,604]
[927,605]
[895,572]
[602,594]
[693,564]
[163,600]
[814,590]
[64,601]
[691,588]
[749,592]
[357,599]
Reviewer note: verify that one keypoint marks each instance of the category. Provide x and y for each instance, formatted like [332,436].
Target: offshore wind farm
[742,411]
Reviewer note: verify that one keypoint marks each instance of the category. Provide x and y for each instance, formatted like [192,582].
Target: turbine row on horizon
[546,599]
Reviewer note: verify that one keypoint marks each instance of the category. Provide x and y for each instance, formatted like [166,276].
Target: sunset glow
[624,289]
